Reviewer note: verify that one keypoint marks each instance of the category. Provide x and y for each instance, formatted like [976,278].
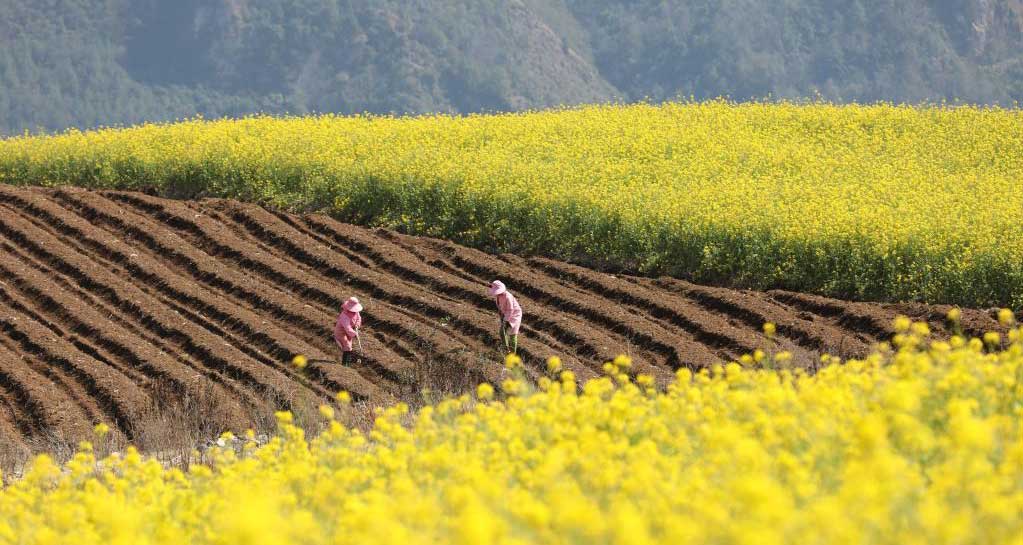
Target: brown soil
[111,301]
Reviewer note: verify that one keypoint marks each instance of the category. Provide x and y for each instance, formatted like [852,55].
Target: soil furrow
[287,292]
[207,310]
[801,333]
[434,281]
[110,300]
[81,308]
[97,390]
[867,325]
[664,348]
[705,328]
[434,304]
[313,286]
[96,387]
[571,335]
[74,325]
[38,403]
[128,299]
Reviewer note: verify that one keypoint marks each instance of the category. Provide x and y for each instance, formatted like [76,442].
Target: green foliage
[86,63]
[845,50]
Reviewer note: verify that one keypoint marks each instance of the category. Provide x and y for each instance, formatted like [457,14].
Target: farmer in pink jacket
[510,314]
[347,328]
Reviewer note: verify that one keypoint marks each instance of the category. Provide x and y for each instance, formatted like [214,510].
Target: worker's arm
[346,325]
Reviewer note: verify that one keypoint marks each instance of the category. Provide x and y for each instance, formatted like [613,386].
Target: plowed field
[111,302]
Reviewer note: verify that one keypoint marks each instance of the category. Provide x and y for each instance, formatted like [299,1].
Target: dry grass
[181,423]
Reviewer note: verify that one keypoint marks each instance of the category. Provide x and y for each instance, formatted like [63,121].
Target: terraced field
[111,302]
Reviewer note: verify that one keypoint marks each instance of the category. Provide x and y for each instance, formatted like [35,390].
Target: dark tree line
[86,63]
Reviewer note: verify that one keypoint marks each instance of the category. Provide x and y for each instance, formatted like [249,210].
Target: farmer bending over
[509,313]
[347,328]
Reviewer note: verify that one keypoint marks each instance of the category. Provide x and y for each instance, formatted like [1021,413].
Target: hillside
[115,304]
[85,63]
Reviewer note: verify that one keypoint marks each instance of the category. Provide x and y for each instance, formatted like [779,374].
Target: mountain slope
[85,63]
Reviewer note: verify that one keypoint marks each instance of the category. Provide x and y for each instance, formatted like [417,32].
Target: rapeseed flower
[918,444]
[512,362]
[326,411]
[849,200]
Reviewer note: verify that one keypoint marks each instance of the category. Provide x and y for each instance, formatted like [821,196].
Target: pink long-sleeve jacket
[345,329]
[510,311]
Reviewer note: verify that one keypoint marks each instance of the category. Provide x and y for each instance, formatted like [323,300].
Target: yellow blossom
[913,446]
[326,411]
[512,361]
[850,200]
[622,362]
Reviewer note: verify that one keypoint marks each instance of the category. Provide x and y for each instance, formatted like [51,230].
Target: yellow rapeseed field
[876,202]
[922,444]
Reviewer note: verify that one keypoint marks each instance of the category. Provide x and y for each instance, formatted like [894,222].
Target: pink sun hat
[352,304]
[497,288]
